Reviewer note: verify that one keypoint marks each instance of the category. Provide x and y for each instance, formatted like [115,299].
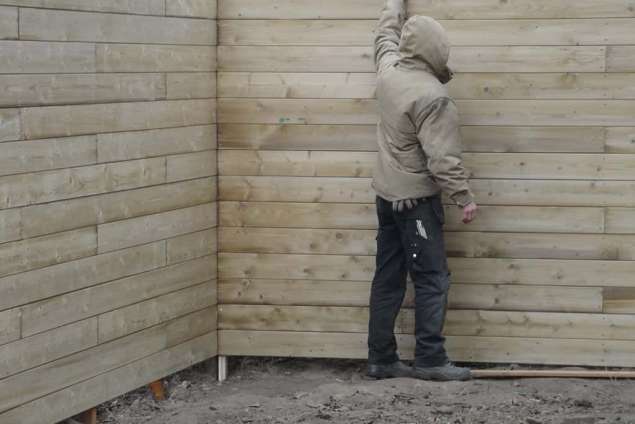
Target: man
[419,156]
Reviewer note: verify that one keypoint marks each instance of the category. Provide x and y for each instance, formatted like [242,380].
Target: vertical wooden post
[88,417]
[222,368]
[157,389]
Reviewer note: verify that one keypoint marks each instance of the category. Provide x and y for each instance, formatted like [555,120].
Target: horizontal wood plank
[458,244]
[155,142]
[488,192]
[55,121]
[9,326]
[33,57]
[192,246]
[364,138]
[81,366]
[453,9]
[620,220]
[143,7]
[464,348]
[458,322]
[49,186]
[154,58]
[152,312]
[473,112]
[81,396]
[192,8]
[10,225]
[364,216]
[57,25]
[25,255]
[8,23]
[66,277]
[41,155]
[10,126]
[480,165]
[149,228]
[29,353]
[36,90]
[620,59]
[620,140]
[463,59]
[463,86]
[191,85]
[191,165]
[92,301]
[473,32]
[93,210]
[560,272]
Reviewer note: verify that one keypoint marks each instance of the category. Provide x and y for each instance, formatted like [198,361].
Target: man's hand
[469,212]
[406,204]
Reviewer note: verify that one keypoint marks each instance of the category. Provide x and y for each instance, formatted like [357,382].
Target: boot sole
[439,377]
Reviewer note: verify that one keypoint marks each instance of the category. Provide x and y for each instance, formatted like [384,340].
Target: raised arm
[389,33]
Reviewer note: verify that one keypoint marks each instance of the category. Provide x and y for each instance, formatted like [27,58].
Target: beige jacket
[418,132]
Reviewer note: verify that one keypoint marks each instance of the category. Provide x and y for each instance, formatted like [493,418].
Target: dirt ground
[329,391]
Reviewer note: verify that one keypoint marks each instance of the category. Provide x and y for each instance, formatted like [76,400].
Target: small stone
[533,421]
[583,403]
[443,410]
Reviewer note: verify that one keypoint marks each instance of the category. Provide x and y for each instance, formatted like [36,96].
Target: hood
[425,42]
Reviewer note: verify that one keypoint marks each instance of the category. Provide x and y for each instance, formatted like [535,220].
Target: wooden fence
[546,90]
[107,199]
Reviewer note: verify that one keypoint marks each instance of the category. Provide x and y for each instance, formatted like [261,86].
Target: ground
[281,391]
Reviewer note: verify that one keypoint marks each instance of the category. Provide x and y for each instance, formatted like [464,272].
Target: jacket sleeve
[389,33]
[439,135]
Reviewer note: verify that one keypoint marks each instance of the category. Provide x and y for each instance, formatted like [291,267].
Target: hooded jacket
[418,131]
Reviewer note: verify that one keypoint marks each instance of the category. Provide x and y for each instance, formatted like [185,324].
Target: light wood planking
[488,192]
[36,90]
[191,165]
[32,57]
[142,144]
[80,396]
[465,348]
[51,313]
[66,277]
[487,86]
[149,228]
[10,128]
[463,59]
[151,312]
[10,225]
[453,9]
[458,244]
[9,326]
[192,8]
[63,341]
[620,220]
[143,7]
[192,246]
[534,219]
[458,323]
[75,213]
[55,121]
[557,272]
[25,255]
[480,165]
[42,187]
[191,85]
[154,58]
[73,369]
[620,59]
[619,300]
[41,155]
[473,112]
[8,23]
[54,25]
[473,32]
[363,138]
[620,140]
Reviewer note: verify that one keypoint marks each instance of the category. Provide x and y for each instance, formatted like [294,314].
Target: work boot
[446,372]
[394,370]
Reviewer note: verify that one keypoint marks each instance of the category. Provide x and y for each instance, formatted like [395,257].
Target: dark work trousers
[410,242]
